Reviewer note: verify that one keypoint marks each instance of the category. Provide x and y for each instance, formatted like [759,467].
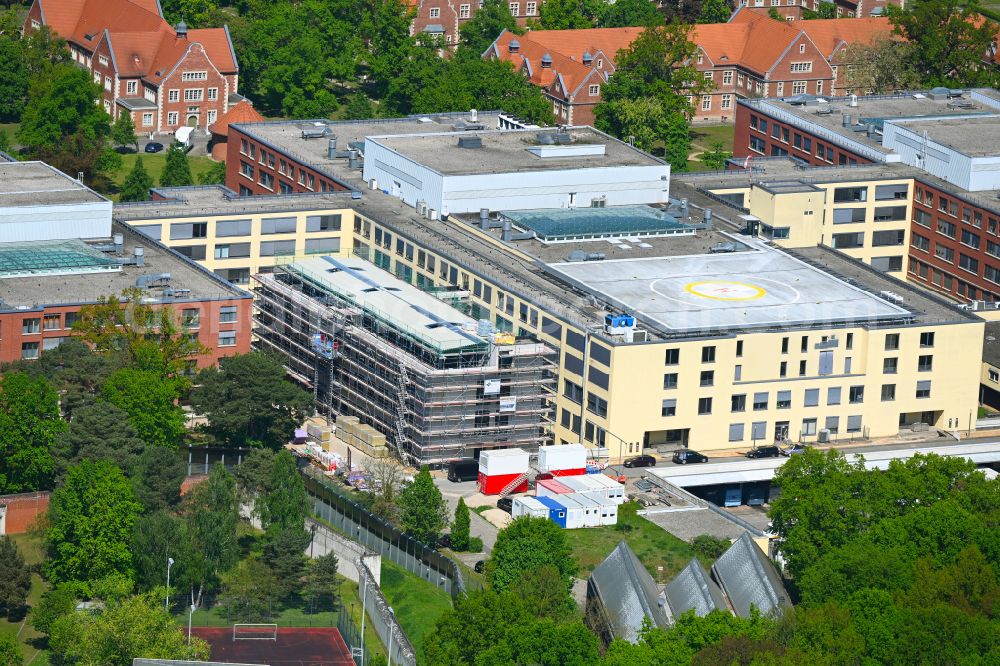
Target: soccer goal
[255,632]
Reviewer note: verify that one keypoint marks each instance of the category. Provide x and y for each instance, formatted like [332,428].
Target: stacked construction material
[362,437]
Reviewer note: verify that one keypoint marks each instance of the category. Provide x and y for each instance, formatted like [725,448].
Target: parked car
[480,566]
[153,147]
[769,451]
[640,461]
[505,504]
[460,471]
[685,456]
[793,449]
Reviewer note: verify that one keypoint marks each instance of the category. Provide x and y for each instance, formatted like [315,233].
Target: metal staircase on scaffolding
[509,488]
[404,380]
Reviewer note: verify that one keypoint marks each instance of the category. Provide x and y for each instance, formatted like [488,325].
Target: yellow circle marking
[725,290]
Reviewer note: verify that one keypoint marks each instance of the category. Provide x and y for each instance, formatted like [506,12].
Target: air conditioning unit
[824,436]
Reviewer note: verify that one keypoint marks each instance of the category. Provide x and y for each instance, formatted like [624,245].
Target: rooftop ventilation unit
[891,296]
[314,131]
[722,248]
[580,255]
[470,142]
[156,278]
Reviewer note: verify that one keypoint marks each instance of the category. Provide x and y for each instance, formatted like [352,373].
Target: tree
[249,401]
[124,630]
[284,554]
[714,11]
[29,426]
[529,543]
[387,479]
[176,170]
[359,107]
[285,504]
[249,591]
[24,59]
[147,338]
[150,400]
[880,67]
[156,537]
[123,131]
[774,14]
[91,519]
[137,184]
[211,546]
[485,27]
[460,528]
[567,14]
[949,40]
[825,10]
[716,157]
[423,511]
[97,431]
[709,546]
[61,124]
[10,652]
[625,13]
[321,583]
[216,174]
[15,577]
[253,477]
[55,603]
[157,475]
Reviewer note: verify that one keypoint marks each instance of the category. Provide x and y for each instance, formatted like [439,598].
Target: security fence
[397,645]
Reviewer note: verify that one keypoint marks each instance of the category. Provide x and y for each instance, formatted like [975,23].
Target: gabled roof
[529,58]
[749,579]
[61,15]
[830,34]
[692,589]
[237,114]
[627,593]
[115,16]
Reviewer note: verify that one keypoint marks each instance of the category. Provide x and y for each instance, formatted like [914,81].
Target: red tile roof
[830,34]
[241,113]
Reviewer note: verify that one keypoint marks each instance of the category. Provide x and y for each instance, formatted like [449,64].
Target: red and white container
[562,459]
[499,468]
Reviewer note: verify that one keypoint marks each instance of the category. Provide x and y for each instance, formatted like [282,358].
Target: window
[856,394]
[927,339]
[278,225]
[888,392]
[515,8]
[833,424]
[888,238]
[738,403]
[946,228]
[892,341]
[670,380]
[672,357]
[464,11]
[738,373]
[965,262]
[704,406]
[801,66]
[107,84]
[435,12]
[227,338]
[802,48]
[784,400]
[780,89]
[52,322]
[194,76]
[784,345]
[833,395]
[759,401]
[802,368]
[668,408]
[323,246]
[29,350]
[798,87]
[213,94]
[131,87]
[890,366]
[848,215]
[925,363]
[708,354]
[735,432]
[758,430]
[849,241]
[227,314]
[808,427]
[232,228]
[277,248]
[811,398]
[323,222]
[232,250]
[172,118]
[530,8]
[727,77]
[595,90]
[188,230]
[923,389]
[921,242]
[597,405]
[573,391]
[147,119]
[103,59]
[706,102]
[190,317]
[783,369]
[994,376]
[805,343]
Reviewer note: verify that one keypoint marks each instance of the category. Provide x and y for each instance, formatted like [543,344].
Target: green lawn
[154,166]
[654,546]
[32,549]
[417,603]
[702,138]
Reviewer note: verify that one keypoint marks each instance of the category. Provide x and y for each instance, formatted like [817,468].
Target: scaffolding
[433,404]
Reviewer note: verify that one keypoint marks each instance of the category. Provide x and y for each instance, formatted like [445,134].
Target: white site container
[576,512]
[562,457]
[528,506]
[596,485]
[502,462]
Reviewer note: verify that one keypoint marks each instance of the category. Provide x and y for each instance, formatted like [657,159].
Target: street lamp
[388,655]
[190,615]
[170,563]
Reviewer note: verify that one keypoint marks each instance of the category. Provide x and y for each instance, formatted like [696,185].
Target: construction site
[437,383]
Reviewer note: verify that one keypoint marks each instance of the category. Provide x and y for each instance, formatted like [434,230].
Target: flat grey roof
[975,137]
[758,289]
[991,343]
[48,289]
[396,302]
[505,152]
[38,184]
[220,200]
[559,224]
[286,135]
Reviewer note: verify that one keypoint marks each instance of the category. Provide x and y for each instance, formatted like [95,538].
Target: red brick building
[443,18]
[750,56]
[243,112]
[165,77]
[955,233]
[793,10]
[18,513]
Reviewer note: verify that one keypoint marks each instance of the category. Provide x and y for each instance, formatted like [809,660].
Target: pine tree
[15,577]
[460,528]
[137,184]
[176,170]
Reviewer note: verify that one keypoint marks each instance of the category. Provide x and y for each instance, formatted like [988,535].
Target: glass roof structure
[53,257]
[565,224]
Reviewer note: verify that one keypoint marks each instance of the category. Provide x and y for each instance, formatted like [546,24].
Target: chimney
[182,30]
[484,219]
[707,218]
[119,241]
[514,46]
[546,61]
[506,234]
[846,120]
[331,148]
[684,207]
[140,256]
